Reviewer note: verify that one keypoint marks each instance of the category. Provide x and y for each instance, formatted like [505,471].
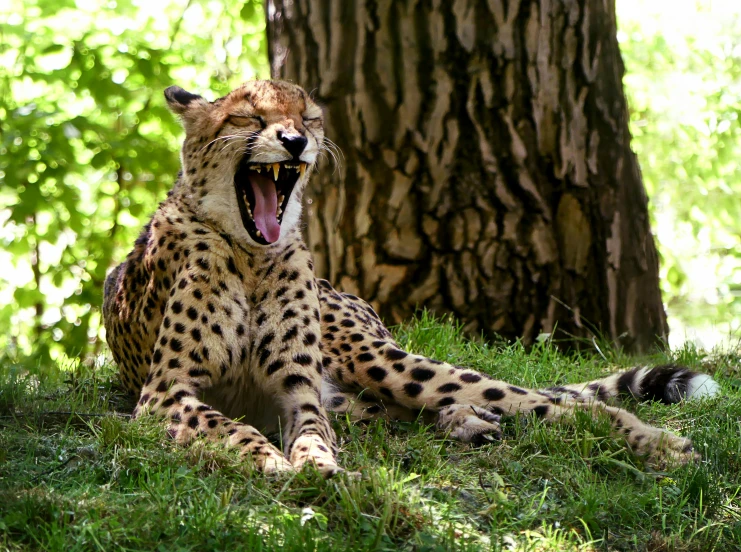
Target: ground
[70,480]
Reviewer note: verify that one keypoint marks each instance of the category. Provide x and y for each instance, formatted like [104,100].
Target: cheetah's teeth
[259,234]
[276,170]
[247,203]
[258,168]
[302,169]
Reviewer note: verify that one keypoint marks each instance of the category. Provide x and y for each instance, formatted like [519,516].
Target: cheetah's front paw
[312,450]
[274,462]
[665,450]
[469,424]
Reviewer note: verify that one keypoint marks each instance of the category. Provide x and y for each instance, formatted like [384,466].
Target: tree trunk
[487,165]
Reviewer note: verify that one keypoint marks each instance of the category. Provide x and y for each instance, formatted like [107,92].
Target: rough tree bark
[487,165]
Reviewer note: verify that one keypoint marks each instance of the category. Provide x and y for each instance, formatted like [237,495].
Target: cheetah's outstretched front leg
[463,422]
[361,354]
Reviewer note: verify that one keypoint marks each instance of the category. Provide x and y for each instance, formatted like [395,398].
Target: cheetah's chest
[277,329]
[264,310]
[245,400]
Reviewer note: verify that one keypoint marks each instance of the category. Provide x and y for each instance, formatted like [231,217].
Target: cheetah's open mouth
[263,191]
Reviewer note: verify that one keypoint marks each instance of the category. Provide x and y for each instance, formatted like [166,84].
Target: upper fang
[276,170]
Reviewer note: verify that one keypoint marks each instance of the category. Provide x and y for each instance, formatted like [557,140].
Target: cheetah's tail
[667,383]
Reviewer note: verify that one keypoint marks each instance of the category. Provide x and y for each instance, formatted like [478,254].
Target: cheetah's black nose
[294,143]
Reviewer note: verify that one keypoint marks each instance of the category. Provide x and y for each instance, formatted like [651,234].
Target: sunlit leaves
[683,75]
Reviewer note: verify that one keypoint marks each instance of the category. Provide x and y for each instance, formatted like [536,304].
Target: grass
[70,480]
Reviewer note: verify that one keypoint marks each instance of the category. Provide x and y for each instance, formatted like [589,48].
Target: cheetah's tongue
[266,206]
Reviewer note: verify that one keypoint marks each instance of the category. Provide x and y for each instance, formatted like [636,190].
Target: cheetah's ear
[185,104]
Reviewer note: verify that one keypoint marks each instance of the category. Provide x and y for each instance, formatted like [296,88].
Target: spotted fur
[232,338]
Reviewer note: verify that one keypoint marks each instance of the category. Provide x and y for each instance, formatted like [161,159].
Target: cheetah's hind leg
[470,424]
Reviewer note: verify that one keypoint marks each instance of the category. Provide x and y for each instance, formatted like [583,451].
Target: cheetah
[217,321]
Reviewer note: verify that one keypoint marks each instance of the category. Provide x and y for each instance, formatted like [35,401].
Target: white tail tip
[702,386]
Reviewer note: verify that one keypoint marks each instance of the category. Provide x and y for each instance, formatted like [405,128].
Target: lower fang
[259,234]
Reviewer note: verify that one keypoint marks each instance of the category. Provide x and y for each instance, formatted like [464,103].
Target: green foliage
[87,147]
[682,77]
[76,475]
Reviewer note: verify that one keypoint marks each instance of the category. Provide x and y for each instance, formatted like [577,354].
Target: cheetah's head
[247,156]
